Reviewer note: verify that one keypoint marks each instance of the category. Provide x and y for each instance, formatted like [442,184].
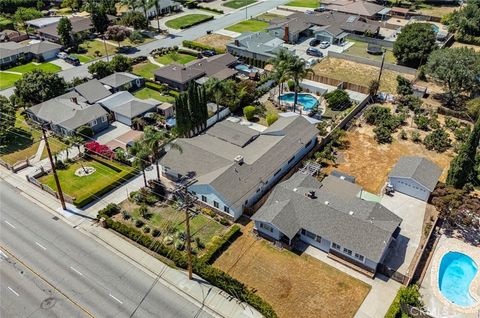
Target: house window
[104,119]
[204,198]
[347,251]
[318,239]
[310,235]
[266,227]
[215,204]
[278,171]
[308,144]
[303,232]
[93,122]
[336,246]
[226,209]
[359,257]
[291,159]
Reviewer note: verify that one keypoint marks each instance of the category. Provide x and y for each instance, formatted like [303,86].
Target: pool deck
[435,302]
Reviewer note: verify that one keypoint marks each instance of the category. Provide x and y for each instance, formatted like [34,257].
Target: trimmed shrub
[338,99]
[139,223]
[146,229]
[218,244]
[156,233]
[271,118]
[110,210]
[249,112]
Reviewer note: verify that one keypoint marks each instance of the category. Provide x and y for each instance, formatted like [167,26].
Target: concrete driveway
[115,130]
[301,49]
[412,211]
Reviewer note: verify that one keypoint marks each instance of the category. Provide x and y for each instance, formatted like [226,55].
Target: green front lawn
[304,3]
[47,67]
[86,189]
[360,49]
[146,93]
[235,4]
[248,26]
[8,80]
[186,20]
[145,69]
[89,48]
[175,57]
[83,58]
[269,16]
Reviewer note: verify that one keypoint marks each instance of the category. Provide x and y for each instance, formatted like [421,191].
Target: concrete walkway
[38,155]
[152,60]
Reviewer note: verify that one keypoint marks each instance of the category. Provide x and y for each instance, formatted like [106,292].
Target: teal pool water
[308,101]
[435,28]
[456,273]
[245,68]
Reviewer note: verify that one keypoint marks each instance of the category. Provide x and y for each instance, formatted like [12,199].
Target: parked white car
[324,44]
[311,62]
[62,55]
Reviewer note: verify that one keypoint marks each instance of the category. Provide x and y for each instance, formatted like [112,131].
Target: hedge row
[186,26]
[220,244]
[211,9]
[156,86]
[211,274]
[200,46]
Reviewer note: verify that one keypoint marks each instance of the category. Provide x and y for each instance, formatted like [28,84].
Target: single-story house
[415,176]
[125,107]
[42,22]
[68,112]
[336,25]
[257,45]
[10,52]
[13,35]
[366,9]
[178,76]
[122,81]
[330,216]
[164,6]
[92,91]
[235,165]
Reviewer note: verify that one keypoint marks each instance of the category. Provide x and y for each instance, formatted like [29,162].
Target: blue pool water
[456,273]
[245,68]
[308,101]
[436,29]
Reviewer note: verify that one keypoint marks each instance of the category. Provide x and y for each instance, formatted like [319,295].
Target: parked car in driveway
[311,62]
[209,53]
[324,44]
[62,55]
[72,60]
[314,42]
[314,52]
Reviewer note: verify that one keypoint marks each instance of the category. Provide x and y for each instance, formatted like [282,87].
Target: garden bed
[86,189]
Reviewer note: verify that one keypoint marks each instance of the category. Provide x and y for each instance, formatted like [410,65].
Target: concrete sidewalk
[198,291]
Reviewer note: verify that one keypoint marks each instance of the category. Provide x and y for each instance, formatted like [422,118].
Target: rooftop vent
[326,202]
[311,195]
[295,190]
[351,212]
[238,159]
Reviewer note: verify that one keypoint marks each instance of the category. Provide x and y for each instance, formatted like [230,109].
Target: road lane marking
[76,271]
[10,224]
[115,298]
[41,246]
[11,289]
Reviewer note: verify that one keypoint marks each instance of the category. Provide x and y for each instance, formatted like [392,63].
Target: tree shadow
[17,139]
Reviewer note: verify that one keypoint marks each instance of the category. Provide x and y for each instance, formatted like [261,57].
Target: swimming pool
[456,273]
[308,101]
[245,68]
[435,28]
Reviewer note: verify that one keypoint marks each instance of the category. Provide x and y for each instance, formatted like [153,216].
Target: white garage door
[410,188]
[123,119]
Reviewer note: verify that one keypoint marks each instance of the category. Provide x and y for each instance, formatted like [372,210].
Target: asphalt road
[192,33]
[98,282]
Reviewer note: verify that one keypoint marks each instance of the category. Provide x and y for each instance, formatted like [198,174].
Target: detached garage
[415,176]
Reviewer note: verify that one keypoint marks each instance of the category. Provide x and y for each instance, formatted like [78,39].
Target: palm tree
[141,153]
[154,3]
[281,63]
[138,122]
[297,71]
[74,140]
[145,5]
[215,89]
[156,140]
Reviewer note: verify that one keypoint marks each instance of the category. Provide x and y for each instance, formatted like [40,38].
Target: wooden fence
[19,165]
[337,83]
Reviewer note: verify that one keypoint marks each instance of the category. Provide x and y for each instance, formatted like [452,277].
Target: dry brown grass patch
[214,40]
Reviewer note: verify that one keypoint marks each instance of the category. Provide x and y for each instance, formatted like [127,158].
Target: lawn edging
[211,274]
[200,47]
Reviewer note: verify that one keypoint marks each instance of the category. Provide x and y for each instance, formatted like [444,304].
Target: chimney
[237,43]
[74,100]
[285,35]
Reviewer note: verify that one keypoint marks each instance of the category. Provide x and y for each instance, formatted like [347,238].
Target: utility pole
[381,66]
[55,176]
[187,203]
[246,15]
[106,51]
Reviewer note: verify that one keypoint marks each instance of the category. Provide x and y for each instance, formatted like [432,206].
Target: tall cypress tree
[462,168]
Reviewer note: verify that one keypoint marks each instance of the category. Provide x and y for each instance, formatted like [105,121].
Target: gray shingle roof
[419,169]
[13,48]
[118,79]
[336,215]
[210,157]
[92,91]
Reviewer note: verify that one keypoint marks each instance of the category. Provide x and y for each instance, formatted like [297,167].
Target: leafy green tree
[215,90]
[25,14]
[416,137]
[383,135]
[376,114]
[136,37]
[100,19]
[338,99]
[422,122]
[121,63]
[404,86]
[414,44]
[456,68]
[141,153]
[462,168]
[438,140]
[117,33]
[100,69]
[411,296]
[280,64]
[473,108]
[64,30]
[7,117]
[465,22]
[73,4]
[38,86]
[410,102]
[135,20]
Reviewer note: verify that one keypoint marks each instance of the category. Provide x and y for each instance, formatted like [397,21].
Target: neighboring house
[365,9]
[68,112]
[235,165]
[415,176]
[166,110]
[125,107]
[164,6]
[122,81]
[92,91]
[326,26]
[178,76]
[259,45]
[42,22]
[82,26]
[12,35]
[10,52]
[330,216]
